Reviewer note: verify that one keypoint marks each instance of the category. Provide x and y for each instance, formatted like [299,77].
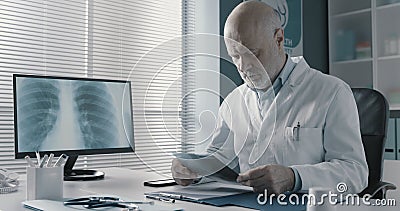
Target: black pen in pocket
[297,131]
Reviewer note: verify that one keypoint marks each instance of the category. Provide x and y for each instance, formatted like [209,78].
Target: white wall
[207,71]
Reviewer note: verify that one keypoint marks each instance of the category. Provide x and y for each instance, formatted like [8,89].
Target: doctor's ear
[279,37]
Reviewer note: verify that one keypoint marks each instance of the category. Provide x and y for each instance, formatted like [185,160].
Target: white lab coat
[326,150]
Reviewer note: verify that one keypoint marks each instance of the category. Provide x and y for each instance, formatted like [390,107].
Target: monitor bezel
[70,152]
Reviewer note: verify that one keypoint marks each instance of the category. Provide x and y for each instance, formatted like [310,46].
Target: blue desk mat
[249,200]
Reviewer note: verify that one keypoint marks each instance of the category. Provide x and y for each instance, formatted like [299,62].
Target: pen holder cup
[45,183]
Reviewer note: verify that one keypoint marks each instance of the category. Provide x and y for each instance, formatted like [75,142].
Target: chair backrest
[373,111]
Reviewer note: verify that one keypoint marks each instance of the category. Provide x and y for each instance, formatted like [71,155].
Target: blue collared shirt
[277,85]
[282,77]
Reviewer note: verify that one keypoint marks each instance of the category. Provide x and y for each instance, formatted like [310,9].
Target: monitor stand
[79,174]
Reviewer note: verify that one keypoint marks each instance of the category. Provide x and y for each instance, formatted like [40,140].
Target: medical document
[209,167]
[204,191]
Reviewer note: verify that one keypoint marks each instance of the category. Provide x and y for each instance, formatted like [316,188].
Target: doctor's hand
[182,175]
[275,178]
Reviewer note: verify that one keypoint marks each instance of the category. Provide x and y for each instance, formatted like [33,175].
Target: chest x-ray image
[54,114]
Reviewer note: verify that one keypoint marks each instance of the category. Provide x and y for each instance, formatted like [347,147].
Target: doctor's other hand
[182,175]
[275,178]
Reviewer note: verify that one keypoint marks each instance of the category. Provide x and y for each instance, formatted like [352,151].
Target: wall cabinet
[364,45]
[392,147]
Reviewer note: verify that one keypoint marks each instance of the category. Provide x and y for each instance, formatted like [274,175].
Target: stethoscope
[282,11]
[92,202]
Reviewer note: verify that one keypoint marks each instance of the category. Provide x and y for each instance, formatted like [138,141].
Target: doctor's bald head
[254,39]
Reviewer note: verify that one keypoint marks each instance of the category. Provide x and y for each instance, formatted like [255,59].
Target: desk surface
[129,184]
[124,183]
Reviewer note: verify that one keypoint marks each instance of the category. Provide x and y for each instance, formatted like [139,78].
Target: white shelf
[353,61]
[394,107]
[369,22]
[356,12]
[388,57]
[387,6]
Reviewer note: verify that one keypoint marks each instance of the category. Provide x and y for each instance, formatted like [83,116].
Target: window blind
[140,41]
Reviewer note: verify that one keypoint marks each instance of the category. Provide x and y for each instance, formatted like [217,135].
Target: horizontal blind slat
[53,38]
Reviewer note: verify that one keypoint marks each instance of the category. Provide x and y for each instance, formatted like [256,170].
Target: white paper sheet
[49,205]
[208,166]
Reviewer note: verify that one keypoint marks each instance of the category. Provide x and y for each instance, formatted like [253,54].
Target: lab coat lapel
[265,134]
[252,107]
[267,129]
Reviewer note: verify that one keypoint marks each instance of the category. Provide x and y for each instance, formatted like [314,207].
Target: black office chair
[373,111]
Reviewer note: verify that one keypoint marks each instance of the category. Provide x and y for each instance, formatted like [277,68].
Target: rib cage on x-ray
[96,115]
[40,107]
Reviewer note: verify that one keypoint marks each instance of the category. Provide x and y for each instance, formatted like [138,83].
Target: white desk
[129,184]
[121,182]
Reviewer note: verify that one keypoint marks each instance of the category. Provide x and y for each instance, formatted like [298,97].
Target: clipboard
[201,192]
[246,200]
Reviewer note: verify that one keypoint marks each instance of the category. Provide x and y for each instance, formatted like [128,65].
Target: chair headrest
[373,111]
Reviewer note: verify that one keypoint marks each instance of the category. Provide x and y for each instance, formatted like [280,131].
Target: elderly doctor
[305,134]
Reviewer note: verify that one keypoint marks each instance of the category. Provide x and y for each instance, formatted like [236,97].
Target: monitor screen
[74,116]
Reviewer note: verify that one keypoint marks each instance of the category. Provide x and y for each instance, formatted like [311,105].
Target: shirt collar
[285,73]
[282,77]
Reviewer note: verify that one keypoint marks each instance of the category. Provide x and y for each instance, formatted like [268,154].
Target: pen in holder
[45,183]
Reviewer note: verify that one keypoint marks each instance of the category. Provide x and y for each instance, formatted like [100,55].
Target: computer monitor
[72,116]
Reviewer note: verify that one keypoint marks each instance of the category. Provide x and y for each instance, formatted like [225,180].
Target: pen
[50,160]
[298,132]
[170,195]
[44,161]
[29,160]
[160,198]
[61,160]
[137,202]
